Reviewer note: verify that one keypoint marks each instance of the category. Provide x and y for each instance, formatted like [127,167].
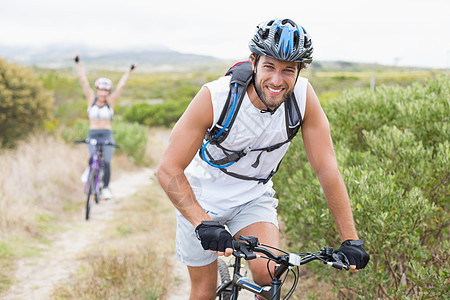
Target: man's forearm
[339,204]
[179,191]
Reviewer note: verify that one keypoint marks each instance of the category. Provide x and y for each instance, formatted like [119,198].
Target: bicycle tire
[224,275]
[98,194]
[90,193]
[97,191]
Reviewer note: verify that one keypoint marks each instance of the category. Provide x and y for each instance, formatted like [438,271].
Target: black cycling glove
[76,59]
[214,236]
[132,67]
[354,253]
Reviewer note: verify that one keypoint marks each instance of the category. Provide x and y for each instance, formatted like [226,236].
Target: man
[211,187]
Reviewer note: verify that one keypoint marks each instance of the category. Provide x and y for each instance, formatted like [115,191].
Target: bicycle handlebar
[249,246]
[96,142]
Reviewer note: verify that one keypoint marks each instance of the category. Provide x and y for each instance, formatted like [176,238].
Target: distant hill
[60,56]
[152,58]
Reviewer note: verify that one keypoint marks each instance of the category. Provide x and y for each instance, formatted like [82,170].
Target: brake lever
[340,261]
[241,250]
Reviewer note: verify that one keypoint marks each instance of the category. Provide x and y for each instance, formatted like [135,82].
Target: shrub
[392,147]
[167,113]
[24,104]
[164,114]
[131,137]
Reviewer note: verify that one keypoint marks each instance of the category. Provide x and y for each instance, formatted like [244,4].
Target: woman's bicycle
[250,248]
[94,184]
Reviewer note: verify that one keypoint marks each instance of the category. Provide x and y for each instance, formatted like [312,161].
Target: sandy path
[36,277]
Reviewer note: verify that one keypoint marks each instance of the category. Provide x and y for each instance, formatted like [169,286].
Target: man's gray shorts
[189,249]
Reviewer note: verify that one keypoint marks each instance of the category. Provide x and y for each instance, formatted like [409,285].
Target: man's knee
[260,273]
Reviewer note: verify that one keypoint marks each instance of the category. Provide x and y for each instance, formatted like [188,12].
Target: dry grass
[37,180]
[134,259]
[36,191]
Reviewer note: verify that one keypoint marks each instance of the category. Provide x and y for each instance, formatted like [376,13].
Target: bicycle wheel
[90,193]
[224,276]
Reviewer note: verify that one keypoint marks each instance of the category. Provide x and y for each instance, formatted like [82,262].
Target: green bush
[392,147]
[164,114]
[25,106]
[131,137]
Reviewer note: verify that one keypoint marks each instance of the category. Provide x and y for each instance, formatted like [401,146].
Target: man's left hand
[354,253]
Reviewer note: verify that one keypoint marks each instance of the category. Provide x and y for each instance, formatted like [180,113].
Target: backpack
[241,76]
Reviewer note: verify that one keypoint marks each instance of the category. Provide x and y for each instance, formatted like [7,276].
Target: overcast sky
[402,32]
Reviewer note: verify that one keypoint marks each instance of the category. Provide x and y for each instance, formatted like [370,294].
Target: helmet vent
[296,39]
[264,33]
[277,35]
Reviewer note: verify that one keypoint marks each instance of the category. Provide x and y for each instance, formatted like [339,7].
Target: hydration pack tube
[241,75]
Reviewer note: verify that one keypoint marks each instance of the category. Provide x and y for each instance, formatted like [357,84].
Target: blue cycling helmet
[282,39]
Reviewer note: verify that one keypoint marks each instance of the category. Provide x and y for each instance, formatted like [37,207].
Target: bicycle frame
[93,186]
[239,282]
[95,165]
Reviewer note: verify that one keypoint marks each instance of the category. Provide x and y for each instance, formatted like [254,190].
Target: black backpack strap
[95,102]
[259,180]
[294,118]
[241,75]
[230,156]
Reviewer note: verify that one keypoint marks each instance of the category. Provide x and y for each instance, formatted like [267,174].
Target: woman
[100,113]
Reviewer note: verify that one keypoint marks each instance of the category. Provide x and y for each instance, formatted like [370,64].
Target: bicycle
[94,185]
[248,249]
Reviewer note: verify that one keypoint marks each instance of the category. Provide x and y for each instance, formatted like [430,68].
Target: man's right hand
[214,237]
[76,58]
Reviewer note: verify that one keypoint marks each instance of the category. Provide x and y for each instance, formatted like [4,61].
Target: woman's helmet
[282,39]
[103,84]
